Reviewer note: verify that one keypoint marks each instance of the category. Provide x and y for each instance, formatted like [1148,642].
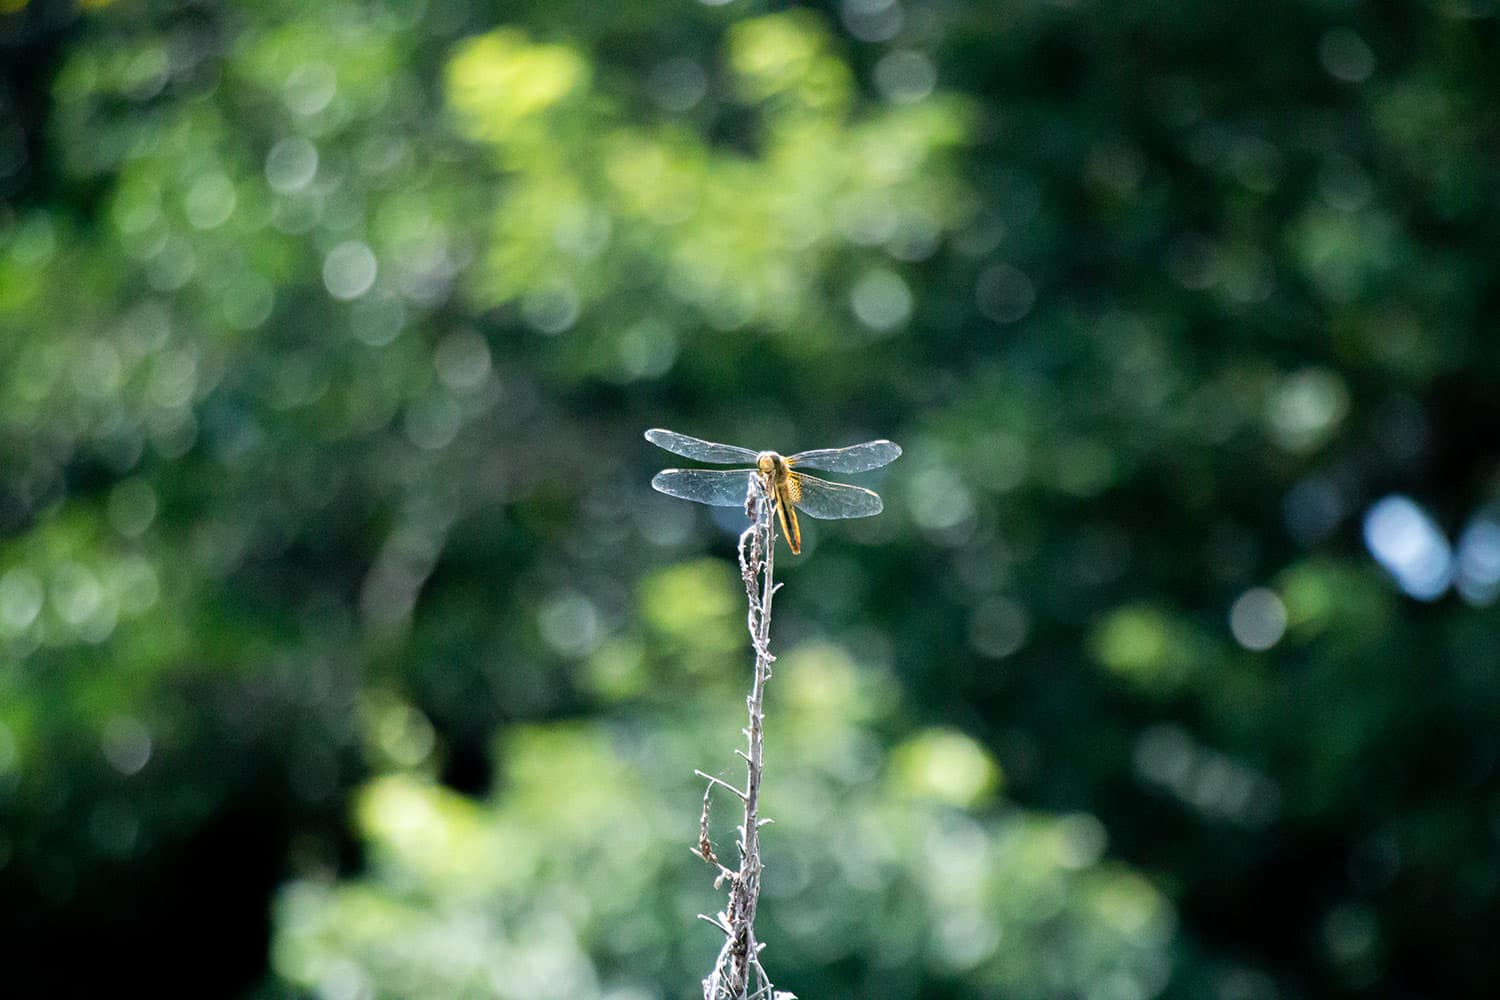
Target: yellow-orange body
[784,490]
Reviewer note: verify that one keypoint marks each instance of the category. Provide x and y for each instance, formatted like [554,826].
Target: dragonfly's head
[768,463]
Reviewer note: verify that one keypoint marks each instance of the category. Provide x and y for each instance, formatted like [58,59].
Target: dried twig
[738,974]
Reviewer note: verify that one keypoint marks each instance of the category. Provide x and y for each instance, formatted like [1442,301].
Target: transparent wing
[715,487]
[855,458]
[703,451]
[830,501]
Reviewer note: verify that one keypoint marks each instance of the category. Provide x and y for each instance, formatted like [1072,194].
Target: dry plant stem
[738,974]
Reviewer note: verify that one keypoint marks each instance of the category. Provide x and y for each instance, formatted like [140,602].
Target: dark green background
[344,650]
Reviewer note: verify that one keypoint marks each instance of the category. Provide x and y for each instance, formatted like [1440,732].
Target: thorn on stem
[722,784]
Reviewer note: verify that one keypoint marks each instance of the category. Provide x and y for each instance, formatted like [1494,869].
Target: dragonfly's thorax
[772,466]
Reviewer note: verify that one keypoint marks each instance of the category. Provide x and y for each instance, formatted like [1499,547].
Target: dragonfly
[789,488]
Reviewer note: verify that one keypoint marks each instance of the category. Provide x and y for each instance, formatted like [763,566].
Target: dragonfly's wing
[703,451]
[855,458]
[830,501]
[715,487]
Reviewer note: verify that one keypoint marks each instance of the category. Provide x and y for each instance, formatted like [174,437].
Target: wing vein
[832,501]
[715,487]
[855,458]
[698,449]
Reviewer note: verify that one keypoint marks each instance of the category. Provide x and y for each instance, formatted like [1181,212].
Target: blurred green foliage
[344,650]
[900,869]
